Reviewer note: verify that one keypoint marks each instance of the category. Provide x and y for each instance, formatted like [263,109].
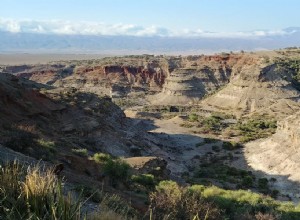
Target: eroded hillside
[237,83]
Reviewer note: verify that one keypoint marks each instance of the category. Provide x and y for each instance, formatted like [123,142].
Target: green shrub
[263,184]
[102,157]
[146,180]
[43,147]
[36,193]
[256,128]
[291,66]
[235,202]
[225,174]
[46,144]
[80,152]
[116,170]
[206,141]
[170,201]
[212,123]
[247,181]
[170,188]
[193,117]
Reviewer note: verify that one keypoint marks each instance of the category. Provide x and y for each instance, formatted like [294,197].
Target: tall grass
[34,193]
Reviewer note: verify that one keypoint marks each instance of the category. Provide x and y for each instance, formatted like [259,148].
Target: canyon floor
[183,149]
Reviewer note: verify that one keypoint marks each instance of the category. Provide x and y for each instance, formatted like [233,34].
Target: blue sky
[174,15]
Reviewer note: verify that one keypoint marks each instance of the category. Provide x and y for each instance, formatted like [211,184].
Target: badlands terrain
[228,120]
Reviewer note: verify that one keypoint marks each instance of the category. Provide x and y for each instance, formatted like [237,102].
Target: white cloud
[94,28]
[10,25]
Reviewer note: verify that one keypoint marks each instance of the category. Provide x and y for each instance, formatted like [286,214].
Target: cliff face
[256,87]
[279,155]
[195,78]
[138,76]
[236,83]
[106,77]
[188,78]
[184,77]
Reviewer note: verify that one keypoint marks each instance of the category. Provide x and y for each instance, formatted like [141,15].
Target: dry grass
[34,193]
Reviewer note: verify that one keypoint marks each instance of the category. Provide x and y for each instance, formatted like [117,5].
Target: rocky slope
[257,86]
[40,113]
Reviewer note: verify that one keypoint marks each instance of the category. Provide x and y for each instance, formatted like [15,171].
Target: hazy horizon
[135,27]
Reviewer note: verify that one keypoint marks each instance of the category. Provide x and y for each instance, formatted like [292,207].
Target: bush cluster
[116,168]
[170,201]
[147,180]
[256,128]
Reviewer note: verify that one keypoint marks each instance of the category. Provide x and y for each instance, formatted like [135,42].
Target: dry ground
[26,58]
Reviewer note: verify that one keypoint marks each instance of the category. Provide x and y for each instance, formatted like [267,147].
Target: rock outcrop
[256,87]
[188,86]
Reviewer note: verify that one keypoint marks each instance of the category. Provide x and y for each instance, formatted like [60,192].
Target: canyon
[178,113]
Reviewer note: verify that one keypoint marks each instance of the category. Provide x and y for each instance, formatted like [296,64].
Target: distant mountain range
[77,43]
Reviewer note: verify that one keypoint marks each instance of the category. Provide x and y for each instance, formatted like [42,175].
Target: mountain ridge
[34,42]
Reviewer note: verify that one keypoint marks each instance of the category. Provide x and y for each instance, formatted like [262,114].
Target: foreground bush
[241,203]
[34,193]
[173,202]
[170,201]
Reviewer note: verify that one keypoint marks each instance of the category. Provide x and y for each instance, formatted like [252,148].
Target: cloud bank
[99,29]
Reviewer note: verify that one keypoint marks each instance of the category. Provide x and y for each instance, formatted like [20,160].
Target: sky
[150,17]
